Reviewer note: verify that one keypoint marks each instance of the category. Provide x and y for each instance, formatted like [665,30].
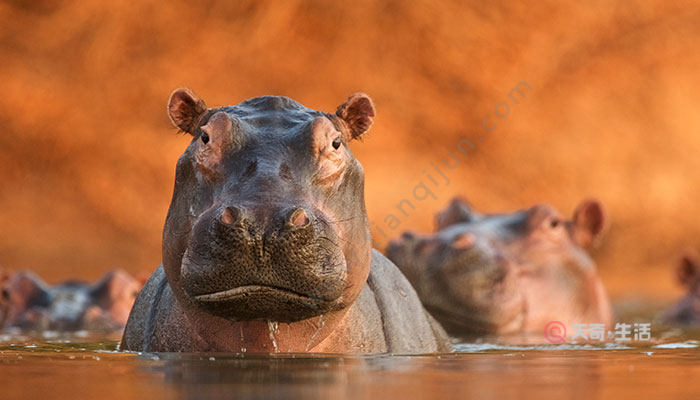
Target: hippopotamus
[5,275]
[266,245]
[687,310]
[73,305]
[483,274]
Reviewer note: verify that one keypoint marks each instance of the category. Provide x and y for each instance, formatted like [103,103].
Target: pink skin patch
[229,217]
[299,218]
[212,147]
[463,241]
[331,160]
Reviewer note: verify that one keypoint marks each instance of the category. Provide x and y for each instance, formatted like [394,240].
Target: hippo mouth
[251,290]
[264,302]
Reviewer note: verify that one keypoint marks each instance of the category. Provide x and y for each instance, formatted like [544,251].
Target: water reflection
[219,376]
[547,372]
[75,368]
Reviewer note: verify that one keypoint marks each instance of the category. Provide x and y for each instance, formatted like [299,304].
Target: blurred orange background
[88,154]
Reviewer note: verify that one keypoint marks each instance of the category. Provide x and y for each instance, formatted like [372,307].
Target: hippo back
[407,325]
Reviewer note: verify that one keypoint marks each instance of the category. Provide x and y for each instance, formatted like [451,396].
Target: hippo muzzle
[246,263]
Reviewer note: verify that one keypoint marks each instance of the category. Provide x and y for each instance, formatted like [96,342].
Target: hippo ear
[459,211]
[5,276]
[185,109]
[26,285]
[4,291]
[114,294]
[358,114]
[588,223]
[113,285]
[688,269]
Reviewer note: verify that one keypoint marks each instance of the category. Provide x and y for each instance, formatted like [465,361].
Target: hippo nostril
[408,236]
[500,274]
[463,241]
[299,218]
[231,215]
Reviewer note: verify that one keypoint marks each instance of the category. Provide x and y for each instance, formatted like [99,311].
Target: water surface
[91,368]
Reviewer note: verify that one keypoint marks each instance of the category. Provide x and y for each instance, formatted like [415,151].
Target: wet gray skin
[33,305]
[463,280]
[266,246]
[687,310]
[506,273]
[261,219]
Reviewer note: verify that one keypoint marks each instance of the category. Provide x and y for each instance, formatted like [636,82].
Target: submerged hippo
[506,273]
[32,305]
[266,246]
[5,275]
[687,310]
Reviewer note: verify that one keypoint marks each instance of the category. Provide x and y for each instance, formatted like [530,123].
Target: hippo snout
[279,263]
[295,218]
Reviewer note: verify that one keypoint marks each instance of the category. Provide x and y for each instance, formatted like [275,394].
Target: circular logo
[555,332]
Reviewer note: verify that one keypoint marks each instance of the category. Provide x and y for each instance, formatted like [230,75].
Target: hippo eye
[554,223]
[5,294]
[205,138]
[336,143]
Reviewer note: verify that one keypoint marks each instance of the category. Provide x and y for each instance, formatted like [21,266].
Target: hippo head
[267,220]
[462,279]
[536,237]
[69,306]
[514,271]
[558,278]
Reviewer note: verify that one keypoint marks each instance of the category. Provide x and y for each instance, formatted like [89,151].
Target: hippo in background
[32,305]
[506,273]
[687,310]
[5,275]
[266,246]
